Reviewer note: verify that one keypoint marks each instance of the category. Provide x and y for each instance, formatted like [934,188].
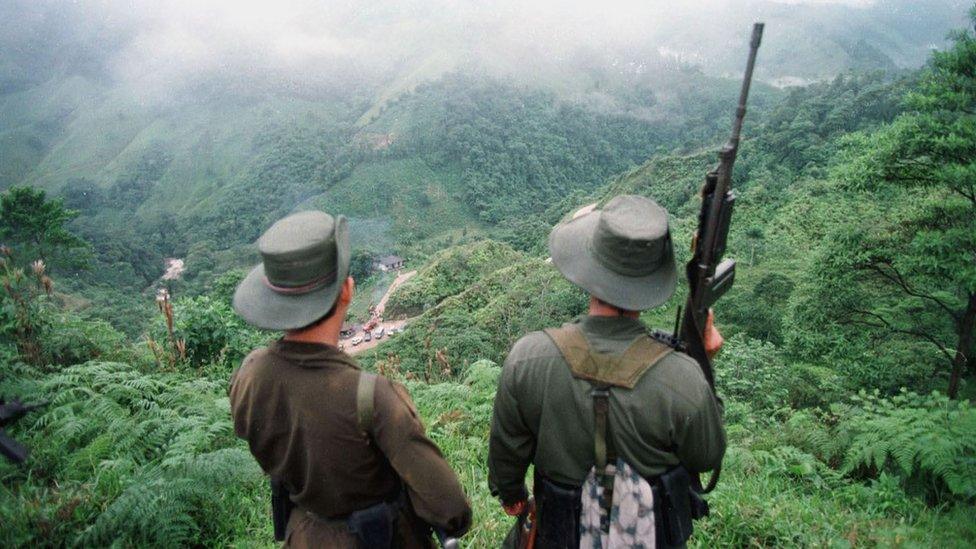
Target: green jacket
[543,415]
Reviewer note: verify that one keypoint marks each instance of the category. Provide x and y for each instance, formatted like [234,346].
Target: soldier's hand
[713,338]
[514,509]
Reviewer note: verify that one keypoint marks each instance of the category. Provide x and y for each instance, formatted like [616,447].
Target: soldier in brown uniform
[348,446]
[658,412]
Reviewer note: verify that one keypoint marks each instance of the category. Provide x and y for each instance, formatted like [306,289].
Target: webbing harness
[603,449]
[604,371]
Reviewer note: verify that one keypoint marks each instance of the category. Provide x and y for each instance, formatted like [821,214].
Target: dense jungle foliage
[849,368]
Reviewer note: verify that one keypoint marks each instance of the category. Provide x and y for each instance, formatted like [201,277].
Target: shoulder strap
[572,344]
[365,391]
[618,370]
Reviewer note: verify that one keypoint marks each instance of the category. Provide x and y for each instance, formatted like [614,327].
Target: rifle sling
[365,391]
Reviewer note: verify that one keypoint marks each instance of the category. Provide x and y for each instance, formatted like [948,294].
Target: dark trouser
[308,530]
[558,507]
[558,510]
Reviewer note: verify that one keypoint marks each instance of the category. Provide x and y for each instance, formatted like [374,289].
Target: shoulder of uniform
[679,372]
[686,368]
[391,395]
[533,345]
[255,357]
[684,361]
[249,372]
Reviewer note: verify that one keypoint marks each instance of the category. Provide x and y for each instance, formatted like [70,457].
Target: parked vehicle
[368,336]
[378,333]
[357,340]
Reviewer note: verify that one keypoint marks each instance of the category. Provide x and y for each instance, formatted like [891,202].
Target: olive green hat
[622,254]
[305,260]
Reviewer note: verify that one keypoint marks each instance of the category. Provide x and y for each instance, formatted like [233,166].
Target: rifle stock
[709,277]
[9,413]
[446,541]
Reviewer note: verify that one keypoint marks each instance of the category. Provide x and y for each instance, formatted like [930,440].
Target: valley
[134,135]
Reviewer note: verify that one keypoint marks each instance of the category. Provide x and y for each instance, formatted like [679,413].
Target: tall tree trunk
[964,350]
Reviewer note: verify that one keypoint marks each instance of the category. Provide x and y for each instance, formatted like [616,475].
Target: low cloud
[158,47]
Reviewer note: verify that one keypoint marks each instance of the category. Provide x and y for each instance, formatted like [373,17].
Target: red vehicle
[368,327]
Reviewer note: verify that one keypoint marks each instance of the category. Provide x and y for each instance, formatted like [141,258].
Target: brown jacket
[295,404]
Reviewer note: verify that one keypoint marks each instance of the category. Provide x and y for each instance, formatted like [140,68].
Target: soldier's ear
[348,290]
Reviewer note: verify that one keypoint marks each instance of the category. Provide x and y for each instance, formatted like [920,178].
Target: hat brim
[570,245]
[263,307]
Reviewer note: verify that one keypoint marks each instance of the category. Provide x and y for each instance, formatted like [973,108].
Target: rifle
[709,277]
[281,508]
[447,542]
[527,525]
[9,413]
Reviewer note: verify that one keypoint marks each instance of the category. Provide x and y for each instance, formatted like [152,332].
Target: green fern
[149,459]
[919,437]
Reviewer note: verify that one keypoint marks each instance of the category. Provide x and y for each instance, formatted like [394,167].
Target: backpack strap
[602,446]
[604,452]
[365,391]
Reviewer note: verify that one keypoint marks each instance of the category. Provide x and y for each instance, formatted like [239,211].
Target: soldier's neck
[600,308]
[326,332]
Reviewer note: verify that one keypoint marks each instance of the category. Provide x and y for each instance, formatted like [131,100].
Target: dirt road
[400,279]
[380,307]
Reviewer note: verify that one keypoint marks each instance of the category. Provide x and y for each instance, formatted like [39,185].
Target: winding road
[380,307]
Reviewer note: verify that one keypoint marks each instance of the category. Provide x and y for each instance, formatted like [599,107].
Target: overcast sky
[158,44]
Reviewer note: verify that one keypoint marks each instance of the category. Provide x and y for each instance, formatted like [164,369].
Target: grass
[93,476]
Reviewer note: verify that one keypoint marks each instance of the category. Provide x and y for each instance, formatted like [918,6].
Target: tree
[361,264]
[934,151]
[906,263]
[37,227]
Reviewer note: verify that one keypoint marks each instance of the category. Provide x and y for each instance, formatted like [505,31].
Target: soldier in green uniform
[346,445]
[659,410]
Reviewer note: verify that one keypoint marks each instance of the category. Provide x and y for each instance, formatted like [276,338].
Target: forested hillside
[849,368]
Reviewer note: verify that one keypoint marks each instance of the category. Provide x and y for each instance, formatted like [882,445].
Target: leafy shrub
[25,306]
[458,416]
[811,385]
[759,312]
[449,273]
[189,495]
[225,285]
[78,340]
[753,371]
[213,333]
[928,441]
[484,320]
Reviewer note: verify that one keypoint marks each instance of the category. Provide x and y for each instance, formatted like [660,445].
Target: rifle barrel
[740,112]
[723,180]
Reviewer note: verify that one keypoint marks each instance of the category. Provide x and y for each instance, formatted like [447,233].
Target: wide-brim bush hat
[622,253]
[305,260]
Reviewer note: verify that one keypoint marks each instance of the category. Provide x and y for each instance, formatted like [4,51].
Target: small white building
[389,263]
